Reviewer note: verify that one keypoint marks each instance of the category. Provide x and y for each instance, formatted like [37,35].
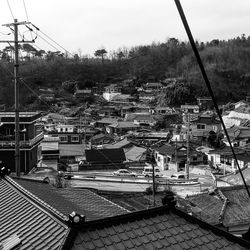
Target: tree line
[227,63]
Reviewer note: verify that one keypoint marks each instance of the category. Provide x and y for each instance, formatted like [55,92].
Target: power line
[26,13]
[199,61]
[38,29]
[30,89]
[10,9]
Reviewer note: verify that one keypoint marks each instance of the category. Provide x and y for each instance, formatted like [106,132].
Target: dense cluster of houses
[124,123]
[124,133]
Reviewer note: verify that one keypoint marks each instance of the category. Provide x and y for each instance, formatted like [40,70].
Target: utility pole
[188,151]
[16,81]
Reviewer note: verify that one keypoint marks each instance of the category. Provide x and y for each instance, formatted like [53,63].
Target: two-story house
[111,91]
[30,138]
[200,127]
[71,146]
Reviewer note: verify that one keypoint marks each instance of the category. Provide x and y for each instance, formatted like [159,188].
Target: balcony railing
[23,143]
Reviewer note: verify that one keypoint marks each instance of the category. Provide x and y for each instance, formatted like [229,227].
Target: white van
[148,172]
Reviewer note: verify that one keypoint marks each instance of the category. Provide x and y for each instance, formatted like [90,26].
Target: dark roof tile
[128,244]
[121,246]
[152,237]
[98,243]
[145,239]
[124,236]
[184,245]
[115,238]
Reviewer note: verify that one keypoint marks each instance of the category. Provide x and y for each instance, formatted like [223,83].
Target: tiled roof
[159,228]
[135,153]
[166,149]
[120,144]
[206,120]
[34,222]
[236,179]
[101,136]
[82,201]
[123,124]
[237,210]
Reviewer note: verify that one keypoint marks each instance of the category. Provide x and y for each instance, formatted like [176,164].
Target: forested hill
[227,64]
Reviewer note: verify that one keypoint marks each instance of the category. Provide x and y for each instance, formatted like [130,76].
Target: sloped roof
[123,124]
[82,201]
[120,144]
[134,153]
[100,136]
[166,149]
[107,120]
[237,210]
[236,179]
[226,151]
[112,155]
[206,119]
[158,228]
[38,225]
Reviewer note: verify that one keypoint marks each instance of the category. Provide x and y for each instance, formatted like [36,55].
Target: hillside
[227,64]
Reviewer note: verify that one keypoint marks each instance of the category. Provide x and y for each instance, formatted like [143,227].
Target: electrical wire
[30,89]
[199,61]
[27,17]
[39,30]
[10,10]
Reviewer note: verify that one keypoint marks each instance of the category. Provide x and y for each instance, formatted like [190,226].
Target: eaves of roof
[37,224]
[161,227]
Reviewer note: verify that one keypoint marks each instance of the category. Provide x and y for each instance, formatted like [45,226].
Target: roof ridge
[52,211]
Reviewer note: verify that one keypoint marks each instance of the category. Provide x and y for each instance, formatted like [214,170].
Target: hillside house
[50,151]
[200,127]
[152,87]
[187,109]
[111,91]
[121,127]
[174,157]
[224,157]
[101,139]
[238,116]
[205,103]
[82,93]
[239,136]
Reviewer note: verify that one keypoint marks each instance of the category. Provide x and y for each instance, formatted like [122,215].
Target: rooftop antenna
[197,55]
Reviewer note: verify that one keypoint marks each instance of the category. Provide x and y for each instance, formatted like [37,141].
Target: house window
[201,126]
[74,138]
[66,129]
[195,157]
[158,158]
[61,130]
[63,138]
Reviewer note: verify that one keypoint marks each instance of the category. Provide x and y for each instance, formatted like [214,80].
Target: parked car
[148,172]
[124,172]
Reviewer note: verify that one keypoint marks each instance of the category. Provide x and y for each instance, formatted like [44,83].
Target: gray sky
[91,24]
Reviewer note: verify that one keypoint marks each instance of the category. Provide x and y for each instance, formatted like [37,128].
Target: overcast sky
[88,25]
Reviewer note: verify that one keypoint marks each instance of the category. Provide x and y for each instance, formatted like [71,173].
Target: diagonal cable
[197,55]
